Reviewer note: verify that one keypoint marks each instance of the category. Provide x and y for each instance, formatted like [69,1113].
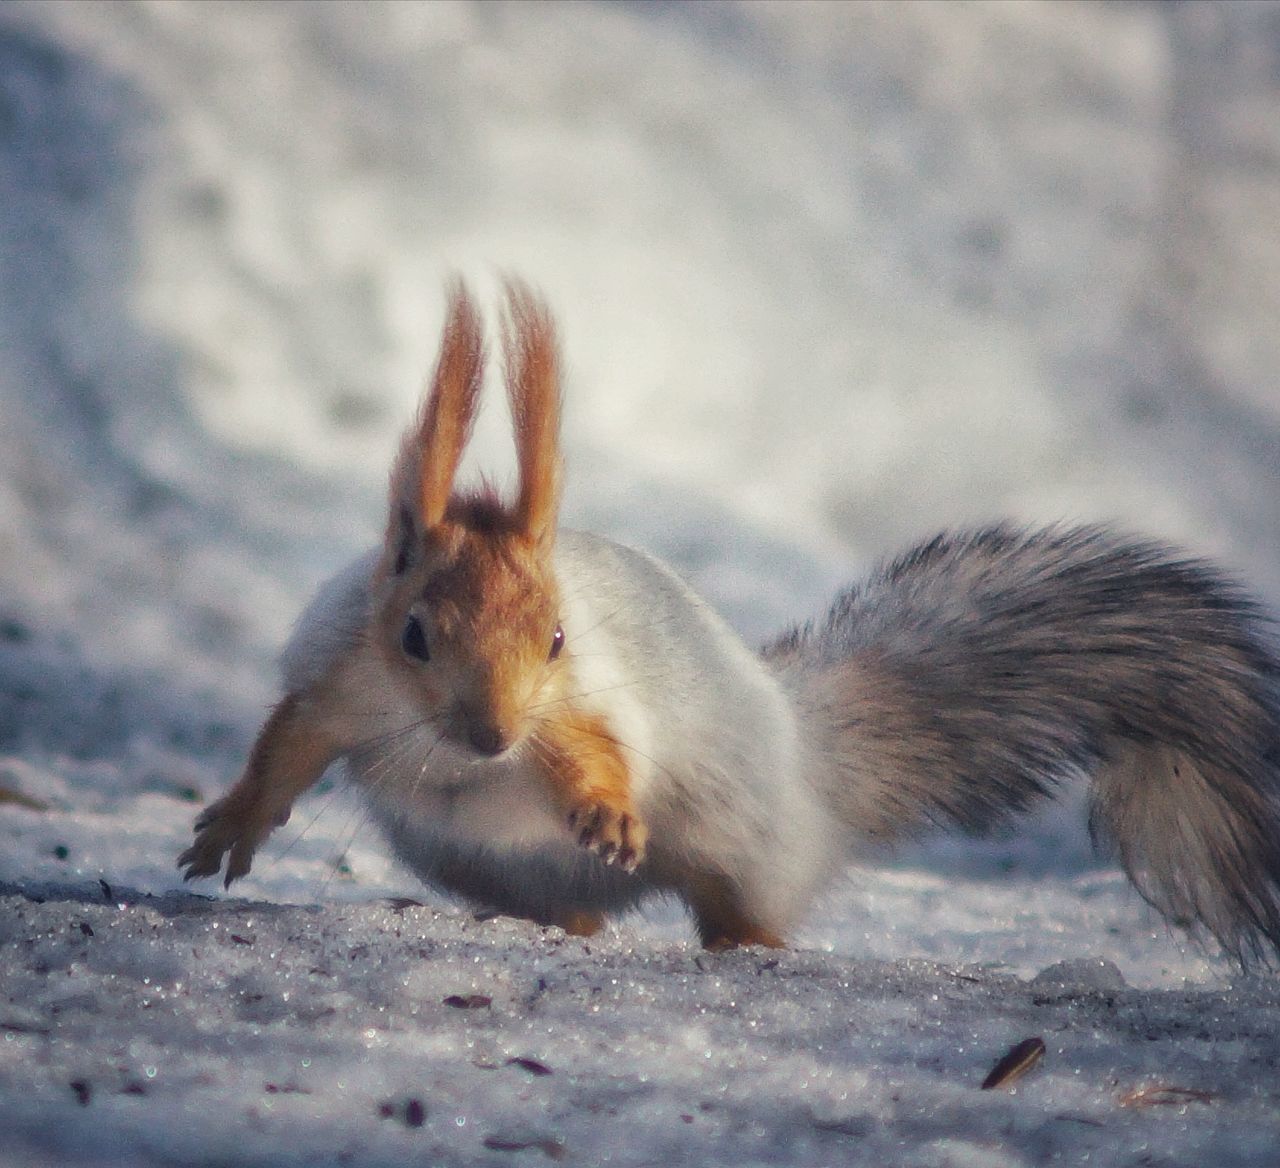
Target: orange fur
[584,764]
[581,924]
[481,569]
[291,752]
[423,477]
[533,389]
[491,604]
[722,922]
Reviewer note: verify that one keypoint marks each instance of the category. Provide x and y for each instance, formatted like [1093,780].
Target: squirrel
[554,726]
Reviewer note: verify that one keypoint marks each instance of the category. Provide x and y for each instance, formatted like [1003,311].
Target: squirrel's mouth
[483,738]
[476,766]
[489,741]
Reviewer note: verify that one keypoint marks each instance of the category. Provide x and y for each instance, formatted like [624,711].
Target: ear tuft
[532,368]
[404,542]
[450,411]
[422,480]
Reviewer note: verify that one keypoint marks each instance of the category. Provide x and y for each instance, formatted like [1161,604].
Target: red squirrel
[555,726]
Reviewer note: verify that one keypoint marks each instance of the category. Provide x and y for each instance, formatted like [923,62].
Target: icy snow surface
[830,277]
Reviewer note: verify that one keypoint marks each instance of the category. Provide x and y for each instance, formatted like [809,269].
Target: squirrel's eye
[414,640]
[557,643]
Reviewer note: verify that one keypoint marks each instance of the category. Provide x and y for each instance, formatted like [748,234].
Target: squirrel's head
[468,608]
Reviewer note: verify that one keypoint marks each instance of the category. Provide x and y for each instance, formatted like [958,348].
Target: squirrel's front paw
[224,826]
[614,833]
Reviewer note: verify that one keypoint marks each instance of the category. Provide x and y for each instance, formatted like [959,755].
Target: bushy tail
[968,677]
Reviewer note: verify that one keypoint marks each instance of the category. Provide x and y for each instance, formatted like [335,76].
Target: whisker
[605,736]
[362,818]
[401,740]
[577,695]
[327,798]
[379,772]
[568,699]
[604,620]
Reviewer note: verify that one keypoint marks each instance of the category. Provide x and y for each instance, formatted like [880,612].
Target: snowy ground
[830,276]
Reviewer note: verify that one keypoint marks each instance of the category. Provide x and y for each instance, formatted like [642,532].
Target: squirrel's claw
[616,835]
[219,830]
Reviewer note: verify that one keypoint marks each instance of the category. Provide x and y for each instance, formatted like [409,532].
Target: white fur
[329,625]
[713,743]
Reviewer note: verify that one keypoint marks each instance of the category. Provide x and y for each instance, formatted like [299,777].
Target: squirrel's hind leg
[722,921]
[575,922]
[580,924]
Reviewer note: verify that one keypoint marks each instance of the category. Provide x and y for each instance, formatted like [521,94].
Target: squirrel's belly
[442,793]
[493,836]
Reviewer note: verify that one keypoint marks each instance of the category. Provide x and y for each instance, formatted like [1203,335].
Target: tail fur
[964,680]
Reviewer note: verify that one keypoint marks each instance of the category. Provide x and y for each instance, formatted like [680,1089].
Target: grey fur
[965,679]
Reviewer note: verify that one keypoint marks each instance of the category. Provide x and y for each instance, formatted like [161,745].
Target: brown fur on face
[488,605]
[473,571]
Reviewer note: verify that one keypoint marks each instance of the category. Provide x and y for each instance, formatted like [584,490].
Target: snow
[830,277]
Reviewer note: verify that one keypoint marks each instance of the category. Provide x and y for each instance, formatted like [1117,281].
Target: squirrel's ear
[423,476]
[533,389]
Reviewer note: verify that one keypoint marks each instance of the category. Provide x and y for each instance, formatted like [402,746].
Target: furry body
[709,735]
[554,726]
[957,685]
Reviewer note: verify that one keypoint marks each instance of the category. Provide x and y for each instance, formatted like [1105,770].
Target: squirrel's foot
[723,921]
[227,826]
[581,924]
[718,940]
[613,832]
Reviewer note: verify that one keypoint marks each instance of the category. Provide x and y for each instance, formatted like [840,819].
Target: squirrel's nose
[487,739]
